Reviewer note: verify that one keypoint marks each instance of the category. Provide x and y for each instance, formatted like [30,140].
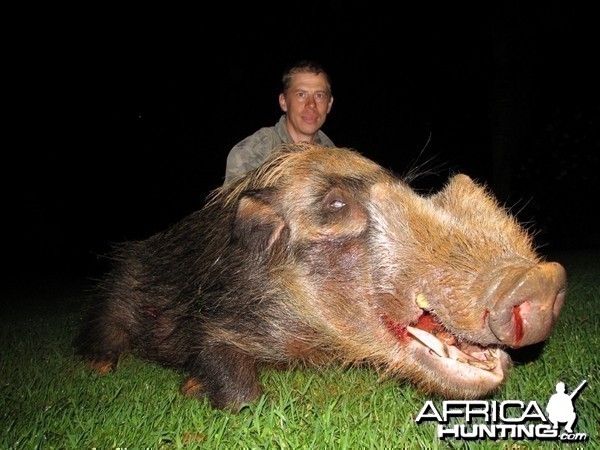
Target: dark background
[121,121]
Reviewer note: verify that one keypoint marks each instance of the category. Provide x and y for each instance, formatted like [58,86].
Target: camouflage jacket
[250,152]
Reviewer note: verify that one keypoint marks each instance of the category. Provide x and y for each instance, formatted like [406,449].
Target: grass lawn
[49,400]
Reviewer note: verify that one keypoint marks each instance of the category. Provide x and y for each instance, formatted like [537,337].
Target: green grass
[49,400]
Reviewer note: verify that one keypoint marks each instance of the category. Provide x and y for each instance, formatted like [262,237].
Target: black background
[121,120]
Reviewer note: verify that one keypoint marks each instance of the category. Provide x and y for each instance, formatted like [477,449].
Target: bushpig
[321,256]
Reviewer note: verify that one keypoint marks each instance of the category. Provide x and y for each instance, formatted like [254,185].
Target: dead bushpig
[321,256]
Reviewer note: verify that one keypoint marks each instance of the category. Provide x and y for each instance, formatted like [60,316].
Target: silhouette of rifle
[577,389]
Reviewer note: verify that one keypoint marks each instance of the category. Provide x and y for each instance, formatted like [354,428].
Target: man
[306,100]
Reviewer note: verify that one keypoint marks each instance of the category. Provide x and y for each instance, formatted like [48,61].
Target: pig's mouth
[464,365]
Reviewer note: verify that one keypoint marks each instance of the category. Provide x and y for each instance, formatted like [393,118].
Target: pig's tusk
[430,341]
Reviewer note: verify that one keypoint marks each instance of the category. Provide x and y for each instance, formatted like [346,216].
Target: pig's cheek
[393,309]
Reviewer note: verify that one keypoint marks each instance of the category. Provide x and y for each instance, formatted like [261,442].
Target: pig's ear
[257,225]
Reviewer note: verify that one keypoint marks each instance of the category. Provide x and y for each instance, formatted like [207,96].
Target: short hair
[304,66]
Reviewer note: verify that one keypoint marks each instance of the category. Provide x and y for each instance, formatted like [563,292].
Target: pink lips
[310,118]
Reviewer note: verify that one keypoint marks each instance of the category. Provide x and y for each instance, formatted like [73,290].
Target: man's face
[306,103]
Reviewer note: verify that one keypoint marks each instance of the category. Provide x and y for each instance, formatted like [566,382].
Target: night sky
[124,119]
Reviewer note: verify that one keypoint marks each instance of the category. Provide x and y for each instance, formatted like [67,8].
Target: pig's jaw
[448,367]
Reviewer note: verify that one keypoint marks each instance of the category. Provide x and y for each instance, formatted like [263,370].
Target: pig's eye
[335,201]
[337,204]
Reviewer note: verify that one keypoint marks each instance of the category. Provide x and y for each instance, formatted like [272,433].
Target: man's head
[306,99]
[305,66]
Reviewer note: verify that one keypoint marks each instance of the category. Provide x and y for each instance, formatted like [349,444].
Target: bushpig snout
[527,303]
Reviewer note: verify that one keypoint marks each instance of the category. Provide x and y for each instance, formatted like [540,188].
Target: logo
[509,419]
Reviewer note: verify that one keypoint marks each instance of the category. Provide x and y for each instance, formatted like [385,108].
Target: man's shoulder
[324,140]
[250,152]
[262,135]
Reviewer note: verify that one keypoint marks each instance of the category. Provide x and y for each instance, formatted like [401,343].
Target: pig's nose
[527,304]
